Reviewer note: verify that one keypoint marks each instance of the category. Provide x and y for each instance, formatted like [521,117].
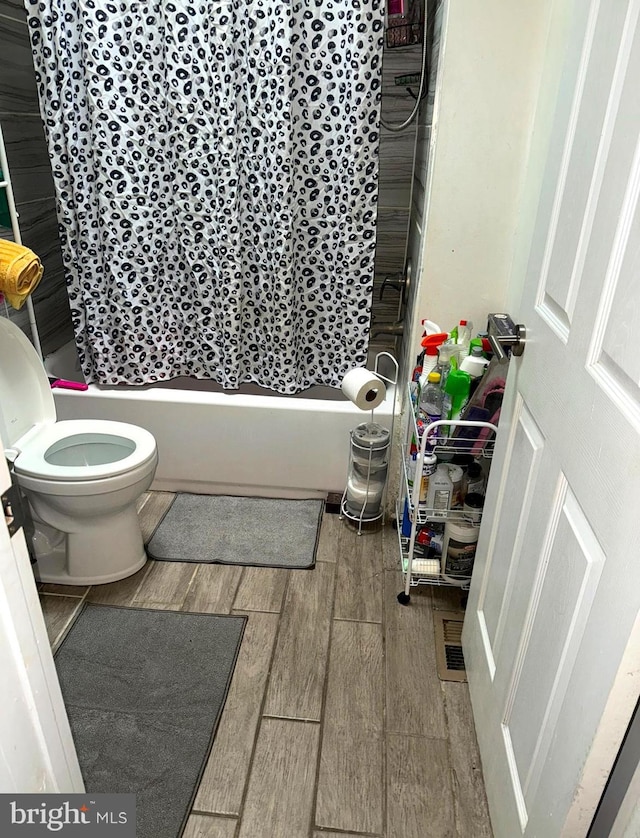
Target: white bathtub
[244,443]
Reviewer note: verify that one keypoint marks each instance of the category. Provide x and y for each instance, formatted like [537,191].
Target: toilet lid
[25,395]
[85,449]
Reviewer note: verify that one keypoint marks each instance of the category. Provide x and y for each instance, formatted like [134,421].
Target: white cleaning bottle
[475,364]
[439,493]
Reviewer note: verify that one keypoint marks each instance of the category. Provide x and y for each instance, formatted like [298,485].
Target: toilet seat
[71,451]
[114,447]
[82,477]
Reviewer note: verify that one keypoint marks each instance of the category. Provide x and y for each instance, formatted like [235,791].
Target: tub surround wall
[30,171]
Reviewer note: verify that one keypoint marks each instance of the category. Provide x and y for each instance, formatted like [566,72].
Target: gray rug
[144,691]
[265,532]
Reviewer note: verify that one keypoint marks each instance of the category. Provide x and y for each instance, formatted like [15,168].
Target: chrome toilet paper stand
[362,518]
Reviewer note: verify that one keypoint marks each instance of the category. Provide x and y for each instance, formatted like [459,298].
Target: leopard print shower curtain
[216,172]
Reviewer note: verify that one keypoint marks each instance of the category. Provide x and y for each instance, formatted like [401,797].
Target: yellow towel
[20,272]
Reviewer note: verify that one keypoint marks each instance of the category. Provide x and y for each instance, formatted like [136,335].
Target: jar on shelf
[459,551]
[472,508]
[368,467]
[474,479]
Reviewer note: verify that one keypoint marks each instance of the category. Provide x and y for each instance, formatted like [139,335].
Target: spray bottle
[447,359]
[429,328]
[431,406]
[464,337]
[456,395]
[431,344]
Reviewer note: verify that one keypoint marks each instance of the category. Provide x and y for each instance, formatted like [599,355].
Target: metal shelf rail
[5,183]
[421,571]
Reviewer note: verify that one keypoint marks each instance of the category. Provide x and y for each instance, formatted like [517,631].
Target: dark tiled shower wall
[396,159]
[418,198]
[31,177]
[34,193]
[394,193]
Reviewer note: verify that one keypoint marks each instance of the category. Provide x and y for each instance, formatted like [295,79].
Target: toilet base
[53,569]
[103,550]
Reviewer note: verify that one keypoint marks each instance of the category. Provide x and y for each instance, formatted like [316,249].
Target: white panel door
[37,753]
[552,637]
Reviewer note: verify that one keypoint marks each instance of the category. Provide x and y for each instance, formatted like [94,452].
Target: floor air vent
[450,661]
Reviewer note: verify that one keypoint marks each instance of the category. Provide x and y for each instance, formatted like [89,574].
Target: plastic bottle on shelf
[472,508]
[459,551]
[412,461]
[473,482]
[429,328]
[447,358]
[439,492]
[464,337]
[431,345]
[456,474]
[405,529]
[430,407]
[431,398]
[475,363]
[429,465]
[456,394]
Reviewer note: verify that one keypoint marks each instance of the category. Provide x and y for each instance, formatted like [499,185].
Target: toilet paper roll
[363,388]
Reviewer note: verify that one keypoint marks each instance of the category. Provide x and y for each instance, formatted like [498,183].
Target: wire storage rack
[445,439]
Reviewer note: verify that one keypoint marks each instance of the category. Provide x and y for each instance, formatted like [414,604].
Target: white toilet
[82,477]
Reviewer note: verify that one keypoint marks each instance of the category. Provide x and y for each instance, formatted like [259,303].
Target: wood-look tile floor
[336,723]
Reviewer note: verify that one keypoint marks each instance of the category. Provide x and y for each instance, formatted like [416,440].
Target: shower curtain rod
[13,215]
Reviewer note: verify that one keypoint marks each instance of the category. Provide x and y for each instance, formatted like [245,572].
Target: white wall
[489,76]
[554,56]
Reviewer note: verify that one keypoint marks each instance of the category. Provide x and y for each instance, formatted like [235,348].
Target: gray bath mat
[144,691]
[266,532]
